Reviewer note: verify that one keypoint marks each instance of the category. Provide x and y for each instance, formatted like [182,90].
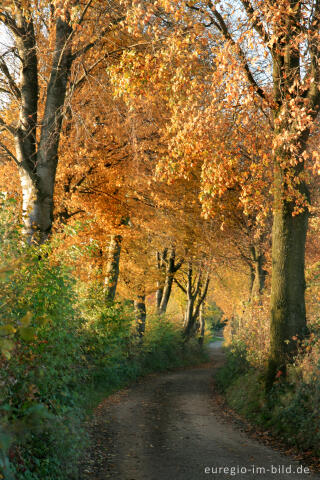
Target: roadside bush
[41,371]
[235,366]
[292,409]
[61,350]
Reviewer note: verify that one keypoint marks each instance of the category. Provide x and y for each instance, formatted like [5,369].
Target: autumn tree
[46,45]
[264,59]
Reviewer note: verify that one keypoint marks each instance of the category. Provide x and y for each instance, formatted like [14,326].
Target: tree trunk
[189,318]
[159,294]
[166,292]
[47,156]
[202,324]
[161,263]
[258,274]
[141,314]
[112,268]
[165,289]
[38,159]
[37,193]
[196,295]
[288,311]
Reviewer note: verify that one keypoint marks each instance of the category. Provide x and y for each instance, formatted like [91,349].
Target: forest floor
[171,426]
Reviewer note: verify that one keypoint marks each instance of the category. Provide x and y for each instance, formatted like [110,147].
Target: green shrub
[291,410]
[62,350]
[236,364]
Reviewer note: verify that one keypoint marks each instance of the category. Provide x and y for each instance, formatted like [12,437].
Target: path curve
[167,427]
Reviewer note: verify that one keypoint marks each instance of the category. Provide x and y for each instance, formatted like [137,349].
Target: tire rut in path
[167,427]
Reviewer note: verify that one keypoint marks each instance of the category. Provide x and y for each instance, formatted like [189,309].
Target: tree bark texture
[112,268]
[258,274]
[196,295]
[167,263]
[141,314]
[288,310]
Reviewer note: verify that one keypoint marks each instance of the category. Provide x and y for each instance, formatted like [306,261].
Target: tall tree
[42,43]
[248,39]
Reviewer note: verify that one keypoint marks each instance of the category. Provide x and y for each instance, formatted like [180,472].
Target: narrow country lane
[167,427]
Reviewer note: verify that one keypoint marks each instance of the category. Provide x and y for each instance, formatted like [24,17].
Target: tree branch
[90,45]
[180,285]
[225,32]
[313,76]
[12,84]
[202,297]
[257,25]
[10,154]
[7,127]
[178,265]
[7,20]
[189,287]
[198,284]
[84,12]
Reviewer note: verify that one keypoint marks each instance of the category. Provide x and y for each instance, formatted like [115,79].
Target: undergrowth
[62,349]
[291,411]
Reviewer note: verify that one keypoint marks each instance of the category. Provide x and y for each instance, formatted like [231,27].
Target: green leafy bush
[62,349]
[236,365]
[291,410]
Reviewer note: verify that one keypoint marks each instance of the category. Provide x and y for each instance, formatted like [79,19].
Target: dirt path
[167,427]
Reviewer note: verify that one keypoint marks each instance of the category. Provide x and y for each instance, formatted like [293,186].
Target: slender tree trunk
[161,264]
[189,318]
[252,277]
[159,294]
[257,274]
[166,292]
[288,311]
[164,289]
[202,324]
[112,268]
[196,296]
[141,314]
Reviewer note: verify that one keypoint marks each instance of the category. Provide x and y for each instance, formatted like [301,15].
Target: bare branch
[7,20]
[178,265]
[224,30]
[12,84]
[92,44]
[84,12]
[257,25]
[10,154]
[180,286]
[7,127]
